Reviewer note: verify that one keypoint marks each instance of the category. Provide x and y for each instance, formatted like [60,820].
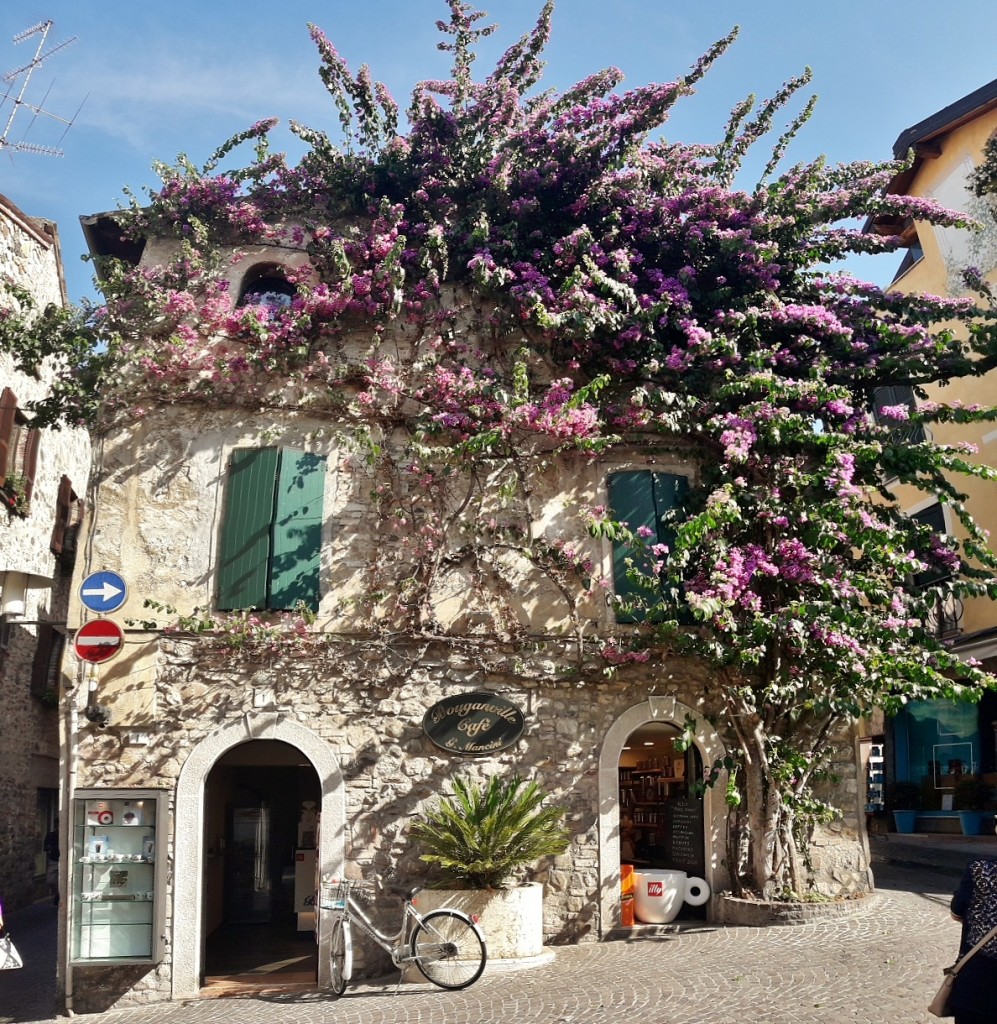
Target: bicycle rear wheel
[448,949]
[340,956]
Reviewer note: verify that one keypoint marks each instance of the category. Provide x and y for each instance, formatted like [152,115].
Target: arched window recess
[266,285]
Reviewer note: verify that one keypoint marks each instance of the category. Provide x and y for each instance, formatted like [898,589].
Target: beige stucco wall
[161,489]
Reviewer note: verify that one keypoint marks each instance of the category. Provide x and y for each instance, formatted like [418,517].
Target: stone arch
[266,282]
[707,741]
[188,836]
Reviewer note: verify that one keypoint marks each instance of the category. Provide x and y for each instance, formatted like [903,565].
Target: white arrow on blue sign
[103,592]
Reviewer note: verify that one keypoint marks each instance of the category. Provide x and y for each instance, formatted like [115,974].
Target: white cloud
[168,98]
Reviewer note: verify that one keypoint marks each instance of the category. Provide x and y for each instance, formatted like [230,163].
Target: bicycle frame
[396,946]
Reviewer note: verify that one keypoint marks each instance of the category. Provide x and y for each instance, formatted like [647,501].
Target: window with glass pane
[892,395]
[641,499]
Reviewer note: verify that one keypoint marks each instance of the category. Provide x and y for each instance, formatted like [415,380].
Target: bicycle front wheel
[340,956]
[448,949]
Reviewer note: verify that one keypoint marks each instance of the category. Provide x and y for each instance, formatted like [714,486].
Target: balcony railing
[944,620]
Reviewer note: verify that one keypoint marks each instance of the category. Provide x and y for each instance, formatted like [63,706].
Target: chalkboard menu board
[684,848]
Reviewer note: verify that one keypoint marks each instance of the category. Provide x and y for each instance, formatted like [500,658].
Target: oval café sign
[474,723]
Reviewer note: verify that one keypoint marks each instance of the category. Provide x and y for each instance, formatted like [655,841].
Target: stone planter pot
[905,820]
[731,910]
[974,823]
[511,919]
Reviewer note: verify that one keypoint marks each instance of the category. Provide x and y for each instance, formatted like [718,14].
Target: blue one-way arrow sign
[103,592]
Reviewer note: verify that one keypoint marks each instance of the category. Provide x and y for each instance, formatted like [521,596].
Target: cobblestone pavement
[880,966]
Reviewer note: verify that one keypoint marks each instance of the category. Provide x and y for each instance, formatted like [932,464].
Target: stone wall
[29,254]
[366,700]
[839,852]
[29,739]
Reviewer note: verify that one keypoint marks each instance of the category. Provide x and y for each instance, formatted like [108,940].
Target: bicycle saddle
[405,891]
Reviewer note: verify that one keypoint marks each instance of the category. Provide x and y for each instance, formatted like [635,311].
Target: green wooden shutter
[640,498]
[245,548]
[669,491]
[297,530]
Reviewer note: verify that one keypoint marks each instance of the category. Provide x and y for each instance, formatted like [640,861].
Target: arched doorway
[661,813]
[191,850]
[656,721]
[260,801]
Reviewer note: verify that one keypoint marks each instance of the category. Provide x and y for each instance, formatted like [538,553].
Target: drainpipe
[69,743]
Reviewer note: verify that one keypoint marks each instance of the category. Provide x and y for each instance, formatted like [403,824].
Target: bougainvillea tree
[511,276]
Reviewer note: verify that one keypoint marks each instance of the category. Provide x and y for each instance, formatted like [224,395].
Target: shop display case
[875,780]
[115,883]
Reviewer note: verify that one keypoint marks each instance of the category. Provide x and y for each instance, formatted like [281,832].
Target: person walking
[974,994]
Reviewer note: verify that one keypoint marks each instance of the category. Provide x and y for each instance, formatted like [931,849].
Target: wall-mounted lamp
[99,714]
[14,586]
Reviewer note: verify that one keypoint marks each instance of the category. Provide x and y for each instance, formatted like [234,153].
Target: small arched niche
[266,285]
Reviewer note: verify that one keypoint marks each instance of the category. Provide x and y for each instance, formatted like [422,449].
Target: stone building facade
[208,723]
[41,471]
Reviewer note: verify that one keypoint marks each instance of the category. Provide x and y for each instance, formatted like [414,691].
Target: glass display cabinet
[115,885]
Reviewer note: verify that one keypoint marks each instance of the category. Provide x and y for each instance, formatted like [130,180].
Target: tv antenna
[18,80]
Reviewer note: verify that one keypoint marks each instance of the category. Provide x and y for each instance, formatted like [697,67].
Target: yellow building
[935,742]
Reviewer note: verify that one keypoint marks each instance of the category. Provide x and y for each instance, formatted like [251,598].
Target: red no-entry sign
[98,640]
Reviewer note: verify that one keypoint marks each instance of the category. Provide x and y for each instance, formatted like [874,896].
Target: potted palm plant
[483,840]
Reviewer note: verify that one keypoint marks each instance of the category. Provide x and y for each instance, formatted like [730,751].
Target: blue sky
[159,79]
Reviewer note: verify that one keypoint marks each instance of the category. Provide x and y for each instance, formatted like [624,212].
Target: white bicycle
[446,945]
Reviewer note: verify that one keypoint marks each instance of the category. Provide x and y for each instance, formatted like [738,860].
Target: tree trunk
[773,852]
